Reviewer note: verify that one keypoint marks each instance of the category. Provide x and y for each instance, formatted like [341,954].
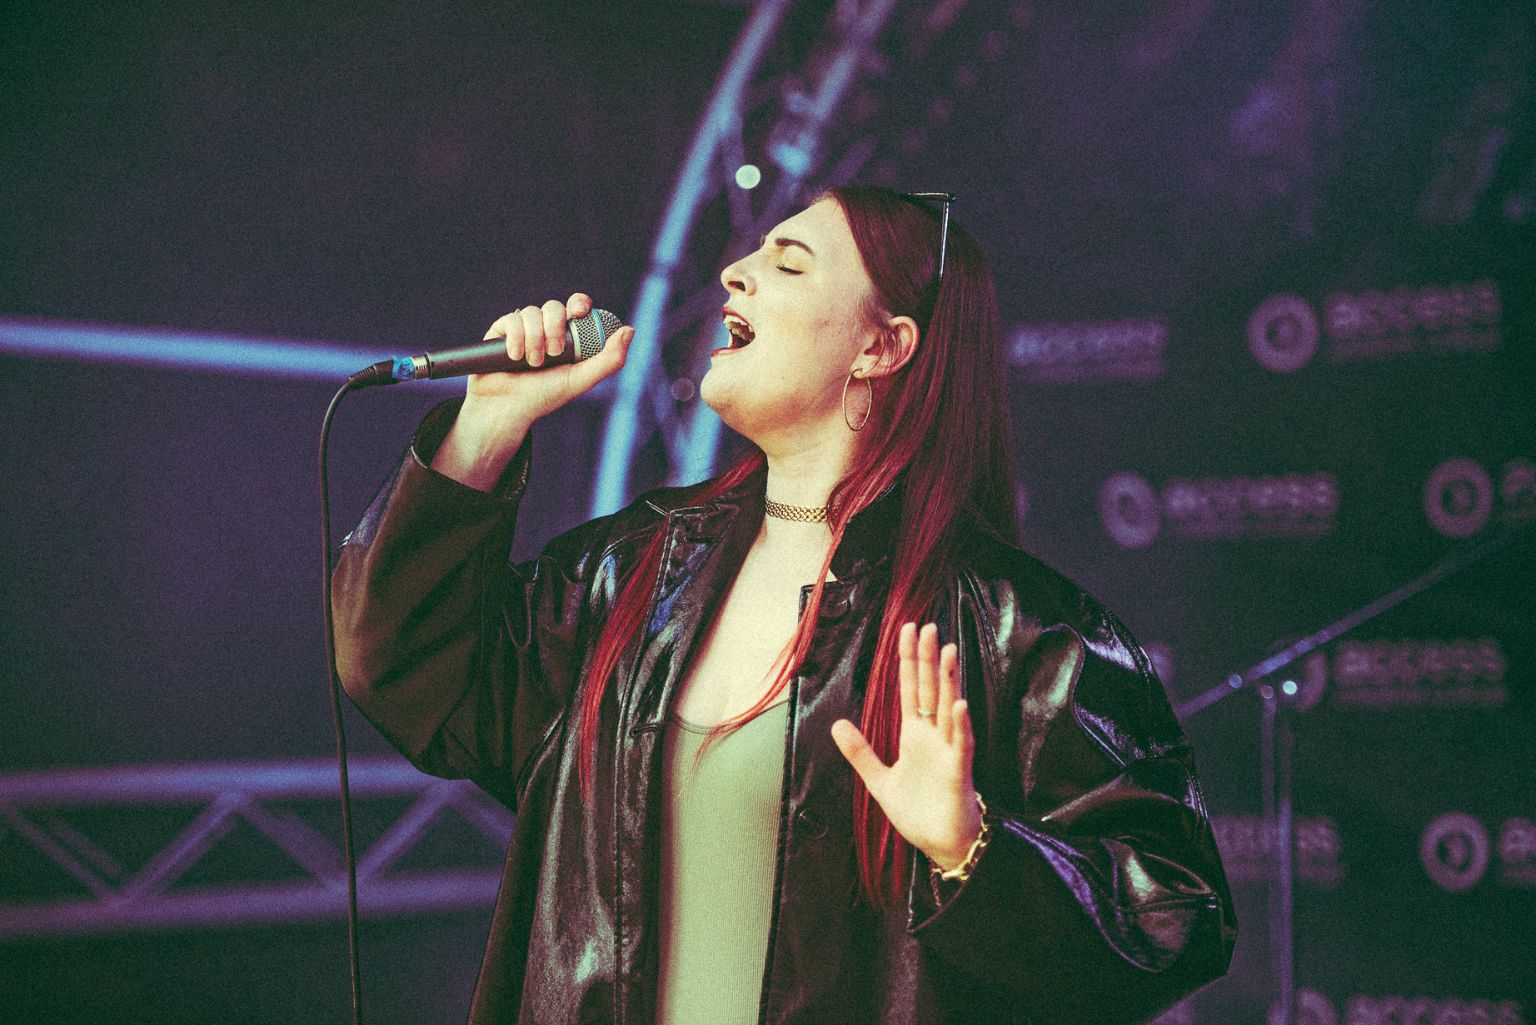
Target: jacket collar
[867,541]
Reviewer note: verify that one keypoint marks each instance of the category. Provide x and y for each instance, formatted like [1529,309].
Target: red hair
[942,422]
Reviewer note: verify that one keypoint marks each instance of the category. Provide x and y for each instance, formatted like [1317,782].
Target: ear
[894,345]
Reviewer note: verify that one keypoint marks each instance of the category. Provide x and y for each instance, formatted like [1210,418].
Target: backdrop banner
[1262,459]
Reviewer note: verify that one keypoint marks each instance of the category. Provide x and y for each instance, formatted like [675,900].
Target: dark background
[393,176]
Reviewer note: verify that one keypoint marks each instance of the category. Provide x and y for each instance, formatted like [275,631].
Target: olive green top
[720,838]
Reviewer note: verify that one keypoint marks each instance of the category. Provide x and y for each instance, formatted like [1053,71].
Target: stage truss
[120,849]
[797,104]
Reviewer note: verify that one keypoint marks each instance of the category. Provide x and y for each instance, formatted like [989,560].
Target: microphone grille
[592,331]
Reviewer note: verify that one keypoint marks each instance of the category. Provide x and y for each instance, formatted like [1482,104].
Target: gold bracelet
[963,870]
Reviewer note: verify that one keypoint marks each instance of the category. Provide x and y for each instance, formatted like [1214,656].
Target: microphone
[584,338]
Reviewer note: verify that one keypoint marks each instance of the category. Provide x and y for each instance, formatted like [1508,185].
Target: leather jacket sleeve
[464,661]
[1100,896]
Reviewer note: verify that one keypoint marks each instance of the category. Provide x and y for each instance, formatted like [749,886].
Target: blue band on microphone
[404,369]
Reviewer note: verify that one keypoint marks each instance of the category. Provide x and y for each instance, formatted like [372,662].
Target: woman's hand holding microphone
[500,408]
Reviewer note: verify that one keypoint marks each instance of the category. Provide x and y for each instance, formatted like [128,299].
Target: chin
[734,408]
[717,397]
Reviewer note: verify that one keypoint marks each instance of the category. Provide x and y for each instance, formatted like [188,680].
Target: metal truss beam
[787,122]
[720,125]
[99,894]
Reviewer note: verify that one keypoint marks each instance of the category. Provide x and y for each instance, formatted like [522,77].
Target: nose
[736,279]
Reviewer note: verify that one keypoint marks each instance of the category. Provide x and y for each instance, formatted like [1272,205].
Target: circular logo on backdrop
[1283,333]
[1458,498]
[1454,850]
[1130,510]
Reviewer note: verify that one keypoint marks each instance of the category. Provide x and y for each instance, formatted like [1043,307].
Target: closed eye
[788,270]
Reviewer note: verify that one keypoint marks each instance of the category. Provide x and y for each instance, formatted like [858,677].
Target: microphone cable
[584,337]
[377,374]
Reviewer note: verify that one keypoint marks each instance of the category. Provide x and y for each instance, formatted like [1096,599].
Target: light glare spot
[748,176]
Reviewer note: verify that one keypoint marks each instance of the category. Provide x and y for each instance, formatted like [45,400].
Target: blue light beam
[185,350]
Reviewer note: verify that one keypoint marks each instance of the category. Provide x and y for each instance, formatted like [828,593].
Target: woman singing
[813,741]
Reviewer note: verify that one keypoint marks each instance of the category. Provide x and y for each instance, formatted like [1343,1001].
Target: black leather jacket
[1101,897]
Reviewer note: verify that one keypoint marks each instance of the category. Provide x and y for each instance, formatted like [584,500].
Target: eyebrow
[784,243]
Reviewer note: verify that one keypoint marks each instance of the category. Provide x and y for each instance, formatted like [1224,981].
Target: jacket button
[811,824]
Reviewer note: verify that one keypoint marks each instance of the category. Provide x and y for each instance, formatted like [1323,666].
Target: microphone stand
[1277,744]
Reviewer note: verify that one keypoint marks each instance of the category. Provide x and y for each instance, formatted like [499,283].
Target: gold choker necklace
[798,513]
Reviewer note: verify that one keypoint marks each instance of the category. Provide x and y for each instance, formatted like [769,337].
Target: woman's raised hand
[499,408]
[927,793]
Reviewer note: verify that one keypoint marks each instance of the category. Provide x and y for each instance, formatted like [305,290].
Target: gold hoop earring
[867,410]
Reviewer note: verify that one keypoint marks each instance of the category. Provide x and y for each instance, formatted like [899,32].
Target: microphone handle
[488,357]
[584,338]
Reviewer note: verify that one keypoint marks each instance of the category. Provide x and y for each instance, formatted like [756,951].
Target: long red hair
[942,422]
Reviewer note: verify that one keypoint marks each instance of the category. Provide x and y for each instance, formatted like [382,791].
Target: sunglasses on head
[945,198]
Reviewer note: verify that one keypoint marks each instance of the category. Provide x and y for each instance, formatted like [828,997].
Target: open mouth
[741,333]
